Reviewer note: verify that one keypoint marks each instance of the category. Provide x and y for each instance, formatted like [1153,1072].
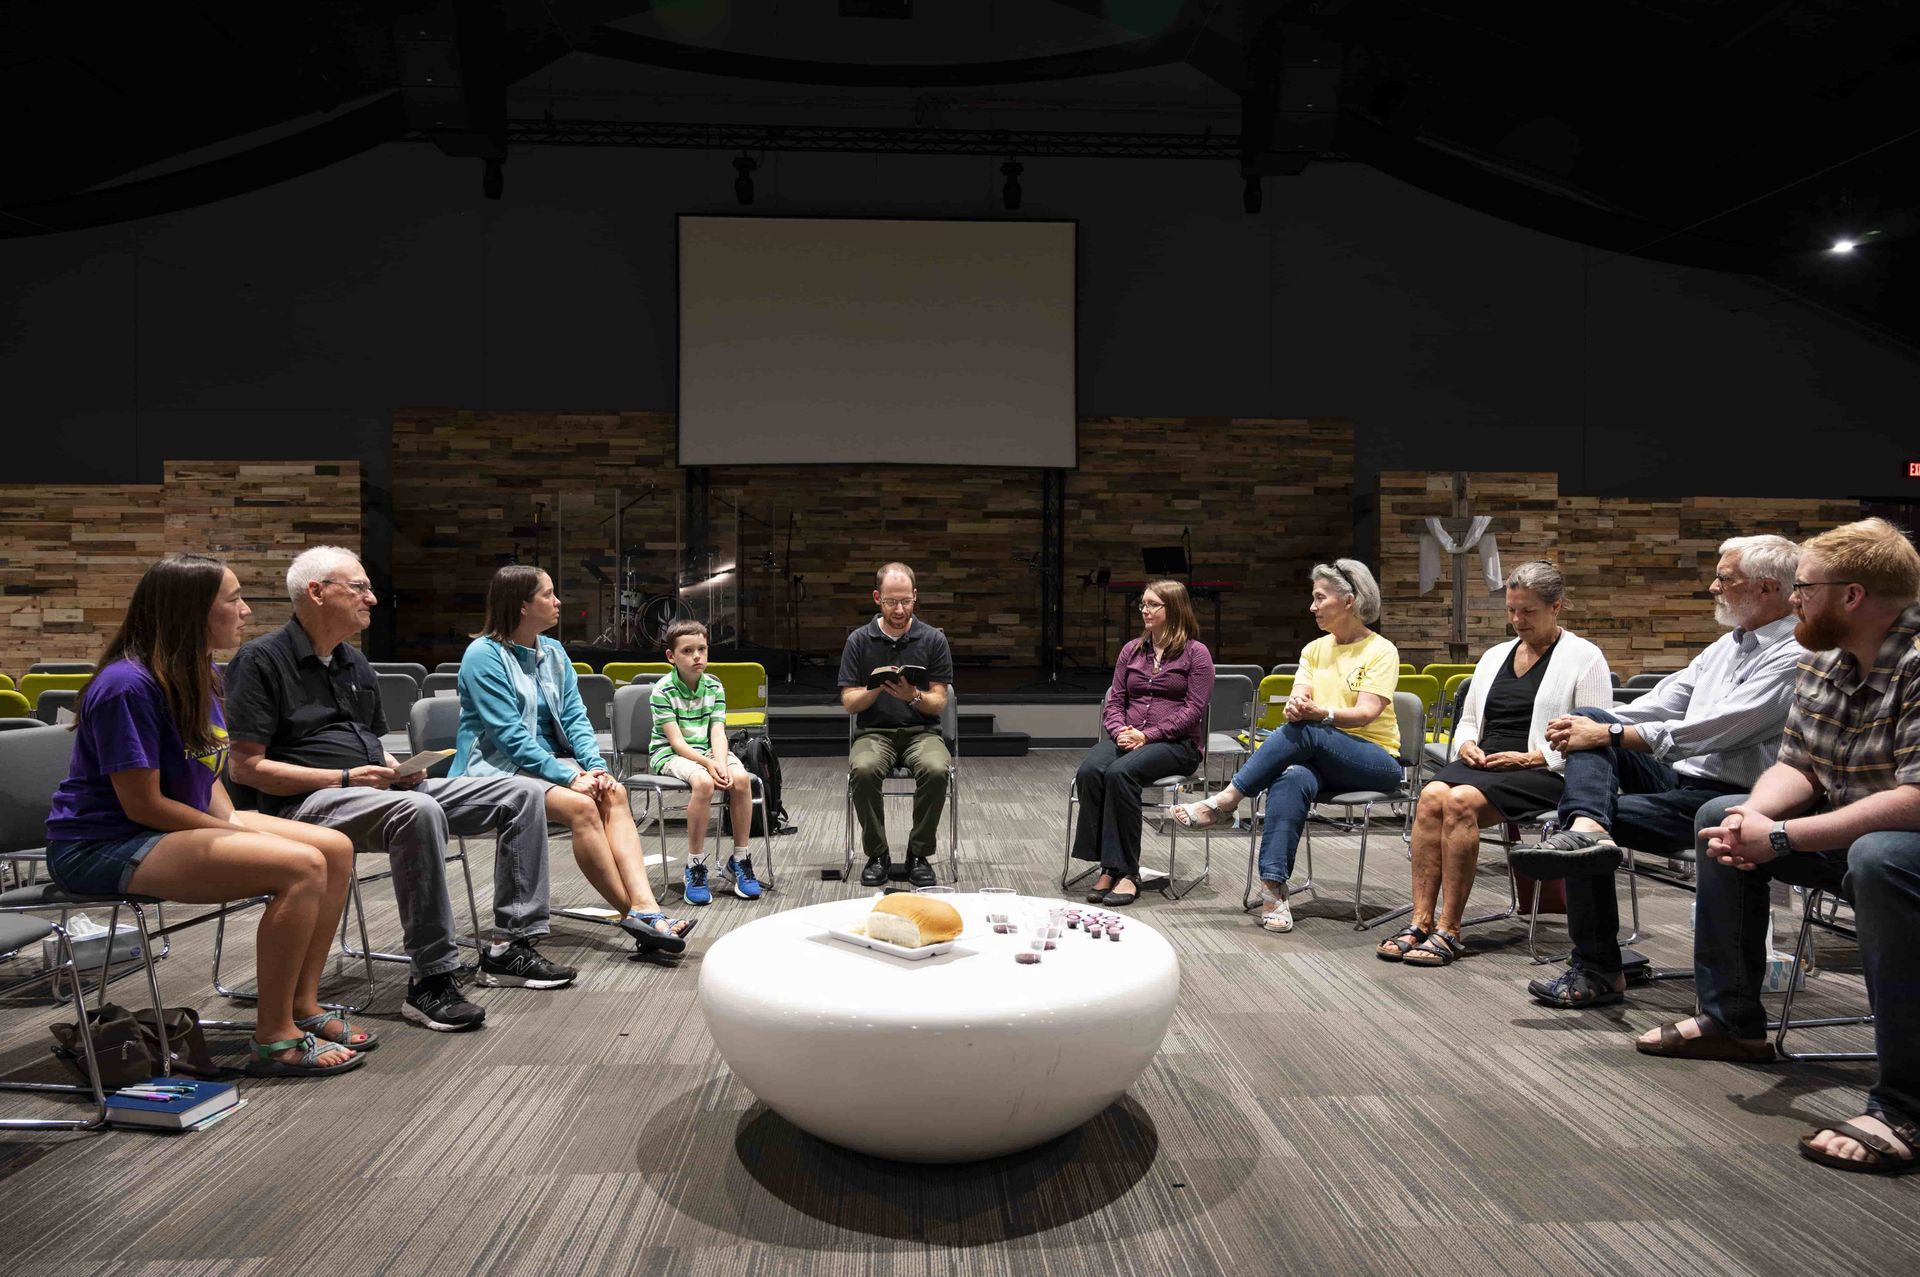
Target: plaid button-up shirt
[1858,734]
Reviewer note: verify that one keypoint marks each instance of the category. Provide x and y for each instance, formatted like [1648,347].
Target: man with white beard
[1638,773]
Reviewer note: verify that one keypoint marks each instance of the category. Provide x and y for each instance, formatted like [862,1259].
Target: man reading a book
[894,675]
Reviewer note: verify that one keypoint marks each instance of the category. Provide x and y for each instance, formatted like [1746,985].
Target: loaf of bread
[913,922]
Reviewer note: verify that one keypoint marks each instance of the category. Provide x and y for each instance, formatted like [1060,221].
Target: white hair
[1350,579]
[1768,557]
[314,564]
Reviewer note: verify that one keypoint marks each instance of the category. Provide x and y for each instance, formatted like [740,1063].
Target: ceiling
[1741,135]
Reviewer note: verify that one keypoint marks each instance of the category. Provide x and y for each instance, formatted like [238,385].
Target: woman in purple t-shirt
[142,810]
[1156,722]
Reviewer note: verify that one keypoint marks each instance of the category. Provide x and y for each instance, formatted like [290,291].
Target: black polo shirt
[870,647]
[306,711]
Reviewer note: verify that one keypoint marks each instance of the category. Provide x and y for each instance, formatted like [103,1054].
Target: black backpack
[755,753]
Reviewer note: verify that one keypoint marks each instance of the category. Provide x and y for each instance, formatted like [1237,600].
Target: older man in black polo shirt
[896,723]
[303,710]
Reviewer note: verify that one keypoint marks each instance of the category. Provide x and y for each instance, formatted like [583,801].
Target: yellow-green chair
[624,672]
[1270,702]
[31,685]
[581,667]
[1406,667]
[745,683]
[6,684]
[1443,671]
[14,705]
[1445,720]
[1427,688]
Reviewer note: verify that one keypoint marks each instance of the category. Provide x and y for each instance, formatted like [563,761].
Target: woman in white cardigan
[1504,768]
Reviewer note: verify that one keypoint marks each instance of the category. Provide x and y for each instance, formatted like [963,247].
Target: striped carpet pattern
[1313,1110]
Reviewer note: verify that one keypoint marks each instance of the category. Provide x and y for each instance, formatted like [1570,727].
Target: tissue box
[1782,974]
[88,950]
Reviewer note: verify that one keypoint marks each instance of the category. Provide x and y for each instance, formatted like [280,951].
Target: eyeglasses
[1802,587]
[358,587]
[896,604]
[1152,607]
[1726,582]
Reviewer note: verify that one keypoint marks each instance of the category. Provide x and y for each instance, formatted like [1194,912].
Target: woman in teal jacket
[521,715]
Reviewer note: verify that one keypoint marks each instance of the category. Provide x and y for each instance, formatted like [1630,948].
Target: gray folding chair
[61,667]
[52,701]
[1254,672]
[596,694]
[1286,667]
[398,692]
[441,681]
[949,732]
[15,724]
[1171,788]
[20,936]
[1230,714]
[431,724]
[447,667]
[1812,899]
[1411,716]
[632,729]
[1648,679]
[412,669]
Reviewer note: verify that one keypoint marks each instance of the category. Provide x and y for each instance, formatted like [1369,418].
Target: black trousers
[1109,783]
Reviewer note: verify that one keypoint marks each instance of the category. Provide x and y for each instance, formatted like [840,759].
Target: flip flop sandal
[1396,947]
[645,928]
[266,1064]
[1886,1159]
[1188,814]
[1710,1046]
[1437,950]
[315,1023]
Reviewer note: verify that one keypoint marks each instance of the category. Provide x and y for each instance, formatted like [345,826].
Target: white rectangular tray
[864,941]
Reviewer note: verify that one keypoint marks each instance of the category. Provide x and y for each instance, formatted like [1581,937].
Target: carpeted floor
[1313,1110]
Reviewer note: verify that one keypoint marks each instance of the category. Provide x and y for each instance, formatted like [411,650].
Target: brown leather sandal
[1708,1046]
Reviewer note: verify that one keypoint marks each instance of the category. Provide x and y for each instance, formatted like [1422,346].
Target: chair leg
[1360,921]
[953,824]
[66,969]
[1810,906]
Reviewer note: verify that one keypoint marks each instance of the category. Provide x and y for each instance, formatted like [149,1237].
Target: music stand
[1165,561]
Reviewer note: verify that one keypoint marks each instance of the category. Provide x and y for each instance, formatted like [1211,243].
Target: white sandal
[1188,814]
[1279,918]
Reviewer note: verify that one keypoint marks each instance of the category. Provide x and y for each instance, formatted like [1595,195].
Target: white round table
[965,1055]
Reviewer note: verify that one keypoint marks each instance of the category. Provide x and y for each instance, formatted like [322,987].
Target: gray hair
[1542,577]
[1350,579]
[1768,557]
[315,564]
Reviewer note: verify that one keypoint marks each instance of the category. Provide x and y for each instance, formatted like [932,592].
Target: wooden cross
[1456,527]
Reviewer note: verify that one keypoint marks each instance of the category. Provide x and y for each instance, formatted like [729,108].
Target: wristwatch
[1614,732]
[917,694]
[1777,839]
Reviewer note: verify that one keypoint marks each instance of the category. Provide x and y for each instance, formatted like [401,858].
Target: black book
[915,674]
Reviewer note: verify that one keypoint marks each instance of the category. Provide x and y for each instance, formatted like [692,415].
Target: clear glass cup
[933,891]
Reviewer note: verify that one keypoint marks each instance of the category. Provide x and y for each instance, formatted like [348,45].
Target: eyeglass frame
[1801,587]
[358,587]
[1150,607]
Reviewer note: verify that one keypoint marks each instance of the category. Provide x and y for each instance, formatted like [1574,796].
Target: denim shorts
[100,867]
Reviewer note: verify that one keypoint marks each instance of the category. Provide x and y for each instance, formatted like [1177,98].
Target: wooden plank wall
[465,486]
[1636,569]
[70,555]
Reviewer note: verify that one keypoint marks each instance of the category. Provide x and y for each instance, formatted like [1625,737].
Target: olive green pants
[875,753]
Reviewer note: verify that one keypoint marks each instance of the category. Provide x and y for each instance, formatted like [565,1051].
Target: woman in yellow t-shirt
[1340,734]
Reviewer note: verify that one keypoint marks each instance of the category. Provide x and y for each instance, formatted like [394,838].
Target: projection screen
[807,341]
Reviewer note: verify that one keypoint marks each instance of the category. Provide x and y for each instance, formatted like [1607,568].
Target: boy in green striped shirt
[689,742]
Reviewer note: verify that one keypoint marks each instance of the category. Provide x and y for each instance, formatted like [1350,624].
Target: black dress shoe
[1115,900]
[875,874]
[1099,894]
[920,871]
[1566,853]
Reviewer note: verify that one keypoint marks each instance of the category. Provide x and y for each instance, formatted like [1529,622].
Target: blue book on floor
[169,1103]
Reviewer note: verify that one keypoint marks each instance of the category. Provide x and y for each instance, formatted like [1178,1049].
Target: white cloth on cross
[1436,541]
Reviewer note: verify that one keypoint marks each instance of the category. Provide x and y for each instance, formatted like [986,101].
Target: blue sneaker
[694,887]
[739,872]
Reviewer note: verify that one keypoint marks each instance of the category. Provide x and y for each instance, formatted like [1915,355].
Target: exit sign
[1913,469]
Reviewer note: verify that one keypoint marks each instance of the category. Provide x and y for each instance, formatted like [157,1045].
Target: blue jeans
[1880,875]
[1645,805]
[1296,763]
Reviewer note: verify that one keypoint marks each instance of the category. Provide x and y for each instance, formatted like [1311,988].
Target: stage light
[1843,246]
[744,165]
[1010,193]
[1250,195]
[493,180]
